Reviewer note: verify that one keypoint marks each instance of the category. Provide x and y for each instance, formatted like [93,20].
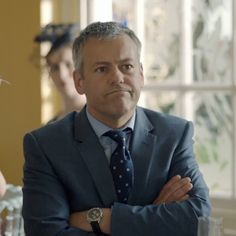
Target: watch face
[94,214]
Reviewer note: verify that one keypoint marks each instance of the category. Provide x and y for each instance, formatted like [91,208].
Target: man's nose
[117,76]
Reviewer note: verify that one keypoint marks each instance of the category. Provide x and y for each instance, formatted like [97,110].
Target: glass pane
[213,120]
[164,101]
[212,40]
[162,39]
[123,11]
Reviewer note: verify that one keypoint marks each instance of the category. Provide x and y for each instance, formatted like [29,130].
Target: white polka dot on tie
[126,185]
[125,199]
[119,191]
[121,161]
[120,176]
[123,147]
[128,169]
[114,167]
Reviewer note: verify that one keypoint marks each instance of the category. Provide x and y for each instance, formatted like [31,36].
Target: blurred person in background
[60,64]
[2,179]
[2,184]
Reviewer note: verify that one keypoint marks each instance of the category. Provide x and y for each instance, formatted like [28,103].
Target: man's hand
[174,190]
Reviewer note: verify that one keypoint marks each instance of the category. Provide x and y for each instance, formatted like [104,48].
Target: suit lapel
[142,145]
[94,157]
[141,152]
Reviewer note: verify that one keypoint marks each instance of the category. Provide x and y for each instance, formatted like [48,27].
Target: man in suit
[69,185]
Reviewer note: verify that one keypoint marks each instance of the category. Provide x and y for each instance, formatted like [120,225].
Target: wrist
[105,223]
[94,217]
[99,220]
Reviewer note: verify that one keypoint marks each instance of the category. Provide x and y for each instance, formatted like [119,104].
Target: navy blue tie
[121,165]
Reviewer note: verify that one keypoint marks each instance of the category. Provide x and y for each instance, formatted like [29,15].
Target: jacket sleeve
[45,204]
[177,218]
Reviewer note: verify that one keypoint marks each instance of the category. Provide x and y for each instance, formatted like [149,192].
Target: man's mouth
[119,91]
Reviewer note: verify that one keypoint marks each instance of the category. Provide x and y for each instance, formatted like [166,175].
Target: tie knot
[118,135]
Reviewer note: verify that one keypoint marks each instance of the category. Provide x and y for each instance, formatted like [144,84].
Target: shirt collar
[101,128]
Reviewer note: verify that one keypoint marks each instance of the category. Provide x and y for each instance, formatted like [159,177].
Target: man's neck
[113,122]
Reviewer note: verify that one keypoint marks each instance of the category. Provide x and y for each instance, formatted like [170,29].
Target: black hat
[57,35]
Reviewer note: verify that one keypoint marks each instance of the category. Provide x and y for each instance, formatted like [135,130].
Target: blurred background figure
[2,179]
[2,185]
[60,64]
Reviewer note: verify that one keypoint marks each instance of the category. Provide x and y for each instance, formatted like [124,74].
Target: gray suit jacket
[66,170]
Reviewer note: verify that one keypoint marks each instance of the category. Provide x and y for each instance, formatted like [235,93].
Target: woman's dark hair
[58,35]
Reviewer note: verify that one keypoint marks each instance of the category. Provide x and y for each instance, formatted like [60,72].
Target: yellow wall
[20,102]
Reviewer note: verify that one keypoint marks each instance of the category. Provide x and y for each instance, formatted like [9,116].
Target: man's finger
[174,190]
[170,189]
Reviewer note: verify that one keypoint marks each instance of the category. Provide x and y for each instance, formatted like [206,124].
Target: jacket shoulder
[56,128]
[167,119]
[166,123]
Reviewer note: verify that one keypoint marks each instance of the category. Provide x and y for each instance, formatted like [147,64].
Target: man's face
[112,78]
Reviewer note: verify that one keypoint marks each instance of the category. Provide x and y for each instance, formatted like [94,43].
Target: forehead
[120,47]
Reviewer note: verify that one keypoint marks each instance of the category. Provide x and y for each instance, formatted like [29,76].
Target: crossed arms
[48,201]
[176,189]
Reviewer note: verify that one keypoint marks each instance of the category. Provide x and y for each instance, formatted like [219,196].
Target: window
[188,58]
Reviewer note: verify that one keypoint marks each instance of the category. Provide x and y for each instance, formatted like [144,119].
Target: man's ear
[78,81]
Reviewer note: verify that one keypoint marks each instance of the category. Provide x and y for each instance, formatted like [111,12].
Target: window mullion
[234,100]
[186,74]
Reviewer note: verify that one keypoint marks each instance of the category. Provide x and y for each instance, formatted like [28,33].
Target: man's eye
[100,69]
[127,67]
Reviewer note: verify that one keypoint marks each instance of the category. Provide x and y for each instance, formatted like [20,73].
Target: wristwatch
[94,216]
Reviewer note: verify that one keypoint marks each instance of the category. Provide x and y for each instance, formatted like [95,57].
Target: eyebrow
[127,59]
[100,63]
[107,62]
